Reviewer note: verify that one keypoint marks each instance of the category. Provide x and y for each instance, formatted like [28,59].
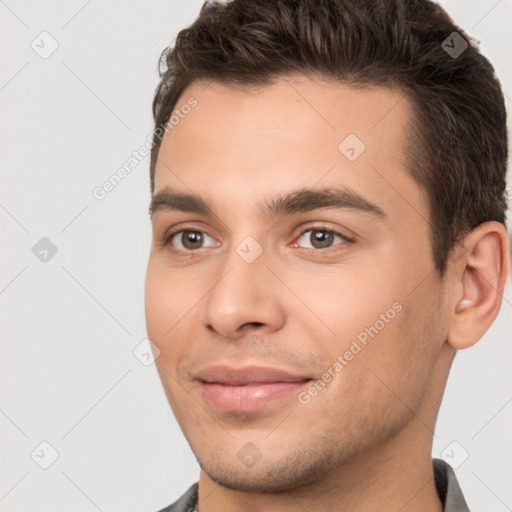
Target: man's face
[297,291]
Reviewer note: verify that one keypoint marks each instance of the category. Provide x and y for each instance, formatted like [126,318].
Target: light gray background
[69,326]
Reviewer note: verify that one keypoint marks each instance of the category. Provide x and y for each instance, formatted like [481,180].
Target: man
[328,212]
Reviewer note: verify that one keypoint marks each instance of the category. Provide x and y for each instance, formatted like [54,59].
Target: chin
[297,470]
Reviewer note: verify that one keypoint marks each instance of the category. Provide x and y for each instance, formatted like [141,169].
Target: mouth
[248,389]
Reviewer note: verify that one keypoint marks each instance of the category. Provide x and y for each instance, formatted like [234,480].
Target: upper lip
[246,375]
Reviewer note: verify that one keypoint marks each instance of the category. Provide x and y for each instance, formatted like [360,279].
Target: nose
[244,297]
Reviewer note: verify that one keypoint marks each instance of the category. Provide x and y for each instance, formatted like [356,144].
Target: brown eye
[188,240]
[321,238]
[192,239]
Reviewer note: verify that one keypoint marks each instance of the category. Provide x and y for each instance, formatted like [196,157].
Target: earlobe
[480,277]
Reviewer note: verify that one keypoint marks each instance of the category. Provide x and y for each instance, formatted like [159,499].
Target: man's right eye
[186,240]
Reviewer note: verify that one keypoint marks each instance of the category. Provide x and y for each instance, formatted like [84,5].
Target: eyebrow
[297,201]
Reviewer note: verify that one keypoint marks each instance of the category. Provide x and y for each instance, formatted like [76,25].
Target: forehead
[297,131]
[296,108]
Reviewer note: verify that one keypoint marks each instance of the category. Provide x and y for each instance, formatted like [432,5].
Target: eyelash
[345,240]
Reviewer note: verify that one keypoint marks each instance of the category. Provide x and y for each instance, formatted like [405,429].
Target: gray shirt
[447,488]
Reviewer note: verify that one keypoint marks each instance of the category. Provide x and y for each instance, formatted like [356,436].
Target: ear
[479,279]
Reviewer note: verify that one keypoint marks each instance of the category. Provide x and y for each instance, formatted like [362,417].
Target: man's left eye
[322,238]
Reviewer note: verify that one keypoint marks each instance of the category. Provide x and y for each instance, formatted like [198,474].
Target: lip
[248,388]
[221,374]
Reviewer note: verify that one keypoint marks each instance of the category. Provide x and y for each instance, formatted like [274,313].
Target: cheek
[401,362]
[351,304]
[173,300]
[168,299]
[389,338]
[156,302]
[166,306]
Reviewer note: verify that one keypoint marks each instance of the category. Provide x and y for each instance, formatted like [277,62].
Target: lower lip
[249,397]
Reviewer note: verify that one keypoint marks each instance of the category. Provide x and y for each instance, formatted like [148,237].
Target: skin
[364,442]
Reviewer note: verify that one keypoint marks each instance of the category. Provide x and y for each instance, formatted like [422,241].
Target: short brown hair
[456,147]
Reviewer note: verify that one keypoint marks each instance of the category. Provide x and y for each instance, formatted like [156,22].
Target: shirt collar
[448,487]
